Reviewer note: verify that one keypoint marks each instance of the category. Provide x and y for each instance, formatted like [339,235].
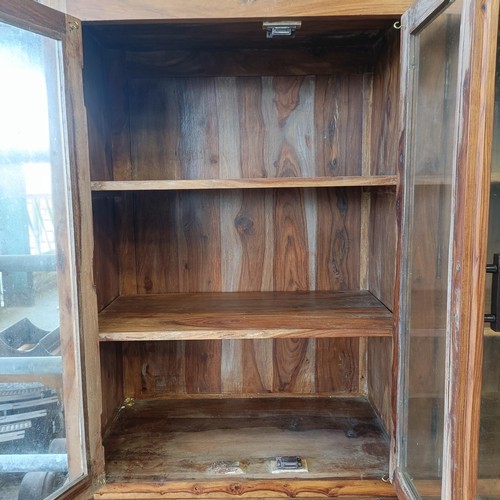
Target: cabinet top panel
[140,10]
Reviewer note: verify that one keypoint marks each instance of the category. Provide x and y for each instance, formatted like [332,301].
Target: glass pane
[39,419]
[489,437]
[429,188]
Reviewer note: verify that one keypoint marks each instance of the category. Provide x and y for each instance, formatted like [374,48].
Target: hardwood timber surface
[158,441]
[94,10]
[283,182]
[258,315]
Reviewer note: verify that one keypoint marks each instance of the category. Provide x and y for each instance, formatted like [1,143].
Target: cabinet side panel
[382,247]
[384,147]
[112,381]
[106,270]
[379,370]
[96,104]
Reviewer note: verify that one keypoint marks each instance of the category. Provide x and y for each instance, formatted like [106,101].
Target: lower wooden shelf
[228,446]
[192,316]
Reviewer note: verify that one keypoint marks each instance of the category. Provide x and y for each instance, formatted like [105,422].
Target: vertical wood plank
[156,235]
[125,224]
[198,147]
[384,149]
[232,366]
[228,121]
[338,239]
[117,90]
[251,128]
[106,272]
[294,365]
[339,117]
[132,369]
[257,366]
[337,365]
[203,366]
[163,369]
[199,242]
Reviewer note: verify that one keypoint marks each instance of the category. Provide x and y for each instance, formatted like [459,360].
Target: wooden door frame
[83,358]
[469,245]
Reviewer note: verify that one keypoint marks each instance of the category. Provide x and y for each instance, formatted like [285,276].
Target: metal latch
[289,462]
[281,28]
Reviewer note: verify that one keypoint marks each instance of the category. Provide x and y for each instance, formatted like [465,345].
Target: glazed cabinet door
[448,76]
[43,442]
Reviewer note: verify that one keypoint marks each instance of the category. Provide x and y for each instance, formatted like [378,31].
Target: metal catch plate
[292,462]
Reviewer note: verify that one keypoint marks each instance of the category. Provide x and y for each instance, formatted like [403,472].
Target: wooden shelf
[244,315]
[264,183]
[198,445]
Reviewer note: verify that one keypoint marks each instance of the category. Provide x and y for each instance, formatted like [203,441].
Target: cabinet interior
[248,184]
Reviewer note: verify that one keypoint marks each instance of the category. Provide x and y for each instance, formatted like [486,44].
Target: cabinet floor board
[159,441]
[182,316]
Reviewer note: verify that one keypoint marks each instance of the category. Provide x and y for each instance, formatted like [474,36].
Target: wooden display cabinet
[271,220]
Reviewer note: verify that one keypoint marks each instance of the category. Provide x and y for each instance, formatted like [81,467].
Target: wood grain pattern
[226,9]
[290,126]
[337,365]
[251,183]
[337,252]
[243,241]
[112,379]
[34,17]
[379,375]
[382,247]
[239,368]
[480,29]
[347,489]
[186,439]
[189,60]
[106,270]
[244,315]
[385,98]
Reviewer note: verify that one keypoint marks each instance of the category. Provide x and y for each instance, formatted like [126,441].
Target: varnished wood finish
[256,127]
[90,383]
[478,57]
[379,374]
[267,183]
[240,240]
[241,368]
[227,9]
[384,102]
[348,489]
[339,438]
[34,17]
[216,490]
[244,315]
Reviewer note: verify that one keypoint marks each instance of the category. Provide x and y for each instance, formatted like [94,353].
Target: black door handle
[493,318]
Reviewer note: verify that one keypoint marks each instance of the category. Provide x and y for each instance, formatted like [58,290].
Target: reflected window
[36,429]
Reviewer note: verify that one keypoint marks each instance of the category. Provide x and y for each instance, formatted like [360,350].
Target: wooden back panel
[165,127]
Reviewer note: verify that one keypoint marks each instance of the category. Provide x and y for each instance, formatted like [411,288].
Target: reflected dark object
[25,339]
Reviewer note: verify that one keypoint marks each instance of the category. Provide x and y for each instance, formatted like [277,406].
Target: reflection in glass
[32,177]
[431,167]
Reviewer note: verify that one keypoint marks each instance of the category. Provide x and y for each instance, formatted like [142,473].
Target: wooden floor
[197,440]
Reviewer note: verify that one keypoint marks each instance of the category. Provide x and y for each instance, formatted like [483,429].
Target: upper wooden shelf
[244,315]
[282,182]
